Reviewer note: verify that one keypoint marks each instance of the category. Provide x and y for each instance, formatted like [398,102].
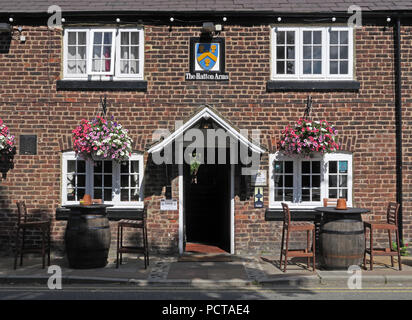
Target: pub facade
[205,94]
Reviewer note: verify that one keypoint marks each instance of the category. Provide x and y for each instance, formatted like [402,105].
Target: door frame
[232,208]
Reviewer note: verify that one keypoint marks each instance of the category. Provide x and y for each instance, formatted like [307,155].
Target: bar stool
[138,223]
[330,202]
[390,225]
[42,225]
[289,226]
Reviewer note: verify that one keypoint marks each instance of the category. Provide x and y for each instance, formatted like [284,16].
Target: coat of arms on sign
[207,56]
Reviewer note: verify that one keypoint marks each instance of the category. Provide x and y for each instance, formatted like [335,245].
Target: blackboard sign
[28,144]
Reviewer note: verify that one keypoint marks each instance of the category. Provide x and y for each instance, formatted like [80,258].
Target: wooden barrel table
[342,237]
[87,236]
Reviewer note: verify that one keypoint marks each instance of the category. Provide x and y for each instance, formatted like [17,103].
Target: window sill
[82,85]
[312,85]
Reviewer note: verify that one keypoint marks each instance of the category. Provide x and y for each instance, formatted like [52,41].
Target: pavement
[235,271]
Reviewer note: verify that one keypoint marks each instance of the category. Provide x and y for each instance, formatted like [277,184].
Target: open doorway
[207,207]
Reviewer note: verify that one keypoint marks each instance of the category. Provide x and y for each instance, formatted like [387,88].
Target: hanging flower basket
[102,140]
[7,149]
[309,137]
[194,167]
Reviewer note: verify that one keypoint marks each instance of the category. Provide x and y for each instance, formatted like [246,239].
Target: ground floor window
[306,181]
[115,183]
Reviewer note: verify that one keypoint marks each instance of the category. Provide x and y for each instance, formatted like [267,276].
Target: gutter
[398,121]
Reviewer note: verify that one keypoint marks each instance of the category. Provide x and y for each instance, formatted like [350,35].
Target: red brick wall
[30,104]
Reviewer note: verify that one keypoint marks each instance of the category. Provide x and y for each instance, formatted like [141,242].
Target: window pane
[317,67]
[288,166]
[305,195]
[108,165]
[71,166]
[278,181]
[280,37]
[97,181]
[280,52]
[333,193]
[124,38]
[97,51]
[307,52]
[71,66]
[70,195]
[290,37]
[135,166]
[343,181]
[333,53]
[134,52]
[124,181]
[316,181]
[290,67]
[343,52]
[278,166]
[289,195]
[134,66]
[81,53]
[344,36]
[71,52]
[107,194]
[343,193]
[134,38]
[334,37]
[315,166]
[80,193]
[343,166]
[124,195]
[134,181]
[343,67]
[81,166]
[81,67]
[107,38]
[81,180]
[315,194]
[280,67]
[290,52]
[307,37]
[97,193]
[72,38]
[305,166]
[124,66]
[97,38]
[98,166]
[124,167]
[333,167]
[333,181]
[317,52]
[134,195]
[108,181]
[81,38]
[334,67]
[278,194]
[306,181]
[124,52]
[289,181]
[317,37]
[307,67]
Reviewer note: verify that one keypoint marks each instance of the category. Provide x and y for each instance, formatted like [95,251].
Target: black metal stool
[138,223]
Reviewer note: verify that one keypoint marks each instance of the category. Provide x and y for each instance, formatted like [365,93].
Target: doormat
[205,258]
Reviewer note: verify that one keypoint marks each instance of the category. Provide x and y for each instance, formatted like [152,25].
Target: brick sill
[78,85]
[298,85]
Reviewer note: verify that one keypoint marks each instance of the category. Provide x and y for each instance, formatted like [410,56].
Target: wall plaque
[258,197]
[207,59]
[28,144]
[168,204]
[259,179]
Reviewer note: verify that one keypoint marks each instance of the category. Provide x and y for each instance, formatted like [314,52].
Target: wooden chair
[23,225]
[390,225]
[288,227]
[330,202]
[138,223]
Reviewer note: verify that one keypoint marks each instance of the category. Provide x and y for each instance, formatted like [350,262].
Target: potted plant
[7,149]
[194,167]
[102,139]
[308,137]
[403,248]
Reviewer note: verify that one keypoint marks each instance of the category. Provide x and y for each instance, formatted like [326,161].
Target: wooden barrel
[342,241]
[87,239]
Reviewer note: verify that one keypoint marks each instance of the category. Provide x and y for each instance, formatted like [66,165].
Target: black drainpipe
[398,121]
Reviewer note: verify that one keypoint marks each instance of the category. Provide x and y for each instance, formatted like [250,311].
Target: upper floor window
[312,53]
[305,182]
[115,183]
[103,53]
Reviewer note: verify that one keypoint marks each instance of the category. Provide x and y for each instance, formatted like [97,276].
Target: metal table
[342,237]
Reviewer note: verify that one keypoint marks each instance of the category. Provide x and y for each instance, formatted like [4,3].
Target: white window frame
[103,76]
[325,75]
[71,155]
[141,55]
[90,51]
[297,169]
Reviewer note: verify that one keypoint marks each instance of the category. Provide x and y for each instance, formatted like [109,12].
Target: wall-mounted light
[172,19]
[224,19]
[333,19]
[117,20]
[63,20]
[279,19]
[388,19]
[11,20]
